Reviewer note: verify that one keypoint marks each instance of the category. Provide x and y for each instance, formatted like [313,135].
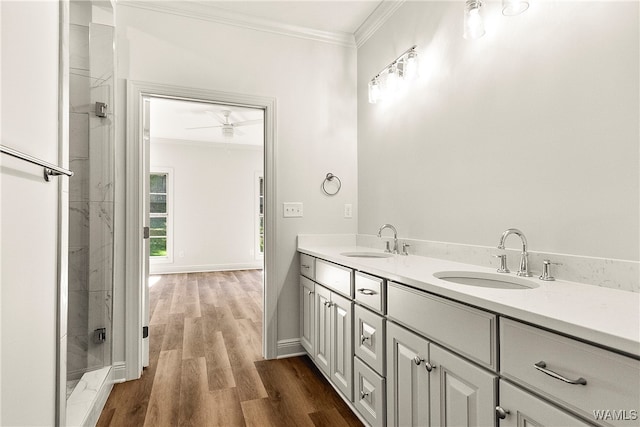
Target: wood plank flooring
[206,367]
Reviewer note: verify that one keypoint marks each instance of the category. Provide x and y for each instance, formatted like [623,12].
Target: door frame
[134,221]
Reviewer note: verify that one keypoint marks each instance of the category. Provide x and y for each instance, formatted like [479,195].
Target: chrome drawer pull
[309,293]
[305,266]
[366,291]
[364,338]
[541,366]
[417,360]
[429,367]
[363,394]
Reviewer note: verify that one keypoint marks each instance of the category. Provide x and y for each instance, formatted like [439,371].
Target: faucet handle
[546,270]
[404,248]
[503,263]
[387,248]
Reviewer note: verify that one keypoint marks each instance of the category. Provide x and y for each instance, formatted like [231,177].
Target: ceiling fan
[228,127]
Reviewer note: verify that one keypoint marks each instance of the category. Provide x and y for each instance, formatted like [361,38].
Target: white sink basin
[367,254]
[486,280]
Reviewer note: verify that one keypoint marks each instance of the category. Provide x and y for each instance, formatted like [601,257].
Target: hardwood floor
[206,367]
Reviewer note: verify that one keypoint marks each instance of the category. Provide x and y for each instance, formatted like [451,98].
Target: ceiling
[172,119]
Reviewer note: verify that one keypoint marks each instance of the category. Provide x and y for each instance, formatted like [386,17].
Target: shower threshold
[88,397]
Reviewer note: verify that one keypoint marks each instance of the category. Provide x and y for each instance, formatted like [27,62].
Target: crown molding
[203,11]
[374,21]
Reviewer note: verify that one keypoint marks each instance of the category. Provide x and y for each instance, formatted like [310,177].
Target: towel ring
[330,177]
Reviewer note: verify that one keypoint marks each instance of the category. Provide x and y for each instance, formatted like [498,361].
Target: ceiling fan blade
[204,127]
[247,122]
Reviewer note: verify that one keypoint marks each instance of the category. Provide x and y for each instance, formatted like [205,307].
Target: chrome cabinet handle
[429,367]
[363,394]
[541,366]
[502,413]
[417,360]
[305,266]
[366,291]
[364,338]
[309,293]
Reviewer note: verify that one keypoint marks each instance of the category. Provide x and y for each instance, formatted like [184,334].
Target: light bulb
[473,25]
[392,80]
[374,91]
[411,66]
[514,7]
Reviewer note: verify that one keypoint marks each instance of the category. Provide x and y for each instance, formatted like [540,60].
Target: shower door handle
[145,233]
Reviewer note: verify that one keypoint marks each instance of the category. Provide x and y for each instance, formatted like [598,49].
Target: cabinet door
[341,344]
[368,339]
[526,410]
[407,378]
[461,393]
[323,329]
[307,315]
[369,393]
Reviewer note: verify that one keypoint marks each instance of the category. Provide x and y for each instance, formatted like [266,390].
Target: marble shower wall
[91,192]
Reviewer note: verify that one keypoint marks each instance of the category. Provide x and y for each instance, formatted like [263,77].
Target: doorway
[218,112]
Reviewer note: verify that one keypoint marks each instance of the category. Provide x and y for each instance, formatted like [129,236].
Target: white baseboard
[175,269]
[289,348]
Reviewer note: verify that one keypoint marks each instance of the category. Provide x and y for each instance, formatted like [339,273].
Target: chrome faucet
[524,259]
[395,237]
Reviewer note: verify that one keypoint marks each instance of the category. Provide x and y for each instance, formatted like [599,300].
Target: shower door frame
[134,215]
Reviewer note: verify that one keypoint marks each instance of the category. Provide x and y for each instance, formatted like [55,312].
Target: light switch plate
[348,210]
[292,209]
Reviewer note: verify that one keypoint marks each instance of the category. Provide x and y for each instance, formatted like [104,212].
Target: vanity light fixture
[473,24]
[403,69]
[514,7]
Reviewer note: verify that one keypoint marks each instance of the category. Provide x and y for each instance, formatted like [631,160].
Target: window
[159,219]
[260,215]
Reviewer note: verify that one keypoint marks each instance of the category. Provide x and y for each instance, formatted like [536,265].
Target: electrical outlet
[348,210]
[292,209]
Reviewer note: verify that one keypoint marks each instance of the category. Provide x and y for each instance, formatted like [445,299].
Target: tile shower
[91,198]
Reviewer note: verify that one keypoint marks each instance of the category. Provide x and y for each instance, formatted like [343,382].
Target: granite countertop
[604,316]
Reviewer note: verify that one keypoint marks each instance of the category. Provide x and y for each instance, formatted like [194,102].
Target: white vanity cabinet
[326,320]
[404,356]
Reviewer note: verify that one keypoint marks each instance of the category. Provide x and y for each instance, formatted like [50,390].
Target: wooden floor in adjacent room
[206,367]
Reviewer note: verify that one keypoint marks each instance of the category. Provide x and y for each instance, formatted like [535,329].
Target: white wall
[214,204]
[29,223]
[315,87]
[533,126]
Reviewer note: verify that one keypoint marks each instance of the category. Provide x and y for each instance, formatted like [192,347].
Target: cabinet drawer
[611,381]
[335,277]
[466,330]
[370,291]
[308,266]
[526,409]
[368,338]
[370,393]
